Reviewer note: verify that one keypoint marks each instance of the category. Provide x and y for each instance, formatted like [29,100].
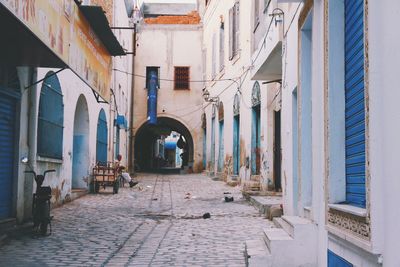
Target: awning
[121,122]
[170,145]
[99,23]
[20,47]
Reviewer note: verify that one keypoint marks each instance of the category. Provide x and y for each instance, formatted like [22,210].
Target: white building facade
[320,73]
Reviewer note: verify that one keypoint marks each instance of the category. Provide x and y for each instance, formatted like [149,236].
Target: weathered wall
[72,88]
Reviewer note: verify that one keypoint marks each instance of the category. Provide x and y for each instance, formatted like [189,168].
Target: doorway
[80,154]
[277,151]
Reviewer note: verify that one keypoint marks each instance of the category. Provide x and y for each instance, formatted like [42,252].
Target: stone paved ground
[151,224]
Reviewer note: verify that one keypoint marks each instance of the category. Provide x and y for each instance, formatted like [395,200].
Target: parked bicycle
[41,203]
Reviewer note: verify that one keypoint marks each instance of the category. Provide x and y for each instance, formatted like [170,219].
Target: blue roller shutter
[7,150]
[101,141]
[336,261]
[355,102]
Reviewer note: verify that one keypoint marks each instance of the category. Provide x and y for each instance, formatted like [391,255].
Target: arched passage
[80,156]
[150,143]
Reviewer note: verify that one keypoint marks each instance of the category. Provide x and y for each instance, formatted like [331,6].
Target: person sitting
[120,169]
[126,176]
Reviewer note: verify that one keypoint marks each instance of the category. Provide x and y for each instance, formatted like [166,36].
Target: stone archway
[147,136]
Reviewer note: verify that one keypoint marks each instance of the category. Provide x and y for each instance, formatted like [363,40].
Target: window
[234,31]
[149,70]
[181,79]
[221,47]
[213,57]
[51,118]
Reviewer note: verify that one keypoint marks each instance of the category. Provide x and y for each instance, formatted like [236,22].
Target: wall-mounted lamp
[208,98]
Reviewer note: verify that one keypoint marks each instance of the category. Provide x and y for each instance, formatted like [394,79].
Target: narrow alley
[155,223]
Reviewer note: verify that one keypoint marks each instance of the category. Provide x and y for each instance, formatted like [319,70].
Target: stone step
[297,227]
[276,238]
[281,223]
[77,193]
[268,206]
[257,254]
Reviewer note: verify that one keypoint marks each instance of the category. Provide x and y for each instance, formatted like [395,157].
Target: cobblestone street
[152,224]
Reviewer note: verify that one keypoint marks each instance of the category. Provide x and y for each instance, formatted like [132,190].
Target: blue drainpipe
[152,99]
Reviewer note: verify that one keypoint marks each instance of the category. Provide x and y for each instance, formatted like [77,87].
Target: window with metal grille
[182,75]
[221,47]
[51,118]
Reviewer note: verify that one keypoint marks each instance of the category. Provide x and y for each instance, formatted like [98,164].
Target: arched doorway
[236,135]
[80,156]
[255,129]
[221,160]
[152,141]
[101,140]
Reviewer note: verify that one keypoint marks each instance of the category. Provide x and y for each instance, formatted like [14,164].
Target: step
[265,204]
[276,239]
[257,254]
[297,227]
[77,193]
[281,223]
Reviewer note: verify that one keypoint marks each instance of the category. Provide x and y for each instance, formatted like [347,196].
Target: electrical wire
[171,80]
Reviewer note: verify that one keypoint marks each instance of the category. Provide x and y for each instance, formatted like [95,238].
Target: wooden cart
[106,175]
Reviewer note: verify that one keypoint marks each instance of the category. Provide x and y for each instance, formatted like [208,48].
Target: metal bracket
[41,80]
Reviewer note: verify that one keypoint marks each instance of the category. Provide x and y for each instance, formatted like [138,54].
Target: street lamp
[207,98]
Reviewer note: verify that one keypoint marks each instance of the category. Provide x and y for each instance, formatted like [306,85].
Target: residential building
[168,51]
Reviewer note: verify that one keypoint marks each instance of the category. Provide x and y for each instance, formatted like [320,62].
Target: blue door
[7,151]
[101,141]
[336,261]
[221,147]
[355,102]
[236,144]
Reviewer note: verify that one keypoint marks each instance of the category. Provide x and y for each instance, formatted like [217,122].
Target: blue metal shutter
[101,142]
[355,102]
[336,261]
[7,150]
[51,119]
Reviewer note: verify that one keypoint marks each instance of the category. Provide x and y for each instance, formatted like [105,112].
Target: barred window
[182,75]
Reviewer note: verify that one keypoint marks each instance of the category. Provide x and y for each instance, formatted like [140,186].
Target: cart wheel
[96,187]
[116,187]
